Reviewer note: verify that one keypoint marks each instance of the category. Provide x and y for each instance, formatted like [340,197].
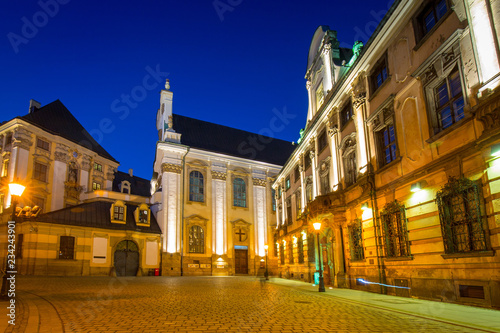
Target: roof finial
[167,84]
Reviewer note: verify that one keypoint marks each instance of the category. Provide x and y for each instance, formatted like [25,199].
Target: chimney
[131,172]
[34,105]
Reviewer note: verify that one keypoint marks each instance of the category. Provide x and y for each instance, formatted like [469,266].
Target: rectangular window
[42,144]
[300,249]
[322,141]
[350,169]
[356,240]
[118,213]
[290,253]
[387,145]
[67,247]
[289,212]
[379,74]
[40,172]
[273,196]
[461,219]
[298,203]
[307,160]
[325,183]
[449,101]
[287,182]
[19,246]
[429,17]
[296,174]
[143,216]
[395,232]
[96,186]
[346,114]
[97,166]
[282,254]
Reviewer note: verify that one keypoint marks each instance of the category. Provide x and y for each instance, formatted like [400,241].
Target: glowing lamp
[317,226]
[416,187]
[495,150]
[266,247]
[16,189]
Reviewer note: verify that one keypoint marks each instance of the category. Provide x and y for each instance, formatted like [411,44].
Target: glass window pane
[441,9]
[429,21]
[455,85]
[387,155]
[446,119]
[442,95]
[458,107]
[386,138]
[391,134]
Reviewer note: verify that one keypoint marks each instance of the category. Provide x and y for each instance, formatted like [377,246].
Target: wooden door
[241,261]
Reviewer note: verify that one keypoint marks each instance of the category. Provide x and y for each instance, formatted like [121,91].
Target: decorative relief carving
[359,90]
[22,139]
[489,114]
[86,159]
[447,58]
[219,175]
[61,153]
[170,167]
[325,164]
[259,182]
[429,75]
[308,84]
[110,175]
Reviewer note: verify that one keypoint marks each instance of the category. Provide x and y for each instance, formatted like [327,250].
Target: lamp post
[16,190]
[317,227]
[266,273]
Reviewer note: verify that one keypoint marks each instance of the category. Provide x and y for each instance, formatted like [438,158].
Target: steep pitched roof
[97,214]
[57,119]
[231,141]
[138,185]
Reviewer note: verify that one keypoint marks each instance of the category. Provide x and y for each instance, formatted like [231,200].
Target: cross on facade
[241,233]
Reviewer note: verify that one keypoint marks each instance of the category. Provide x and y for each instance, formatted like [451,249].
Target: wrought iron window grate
[300,249]
[311,255]
[356,240]
[395,233]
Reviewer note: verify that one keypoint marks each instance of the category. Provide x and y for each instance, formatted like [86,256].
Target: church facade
[399,159]
[212,194]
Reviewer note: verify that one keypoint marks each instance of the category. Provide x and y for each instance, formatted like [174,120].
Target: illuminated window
[67,247]
[97,166]
[387,145]
[394,221]
[143,216]
[196,240]
[196,188]
[429,17]
[96,186]
[449,101]
[346,114]
[287,182]
[239,193]
[356,240]
[379,74]
[42,144]
[40,172]
[462,224]
[118,213]
[290,253]
[273,196]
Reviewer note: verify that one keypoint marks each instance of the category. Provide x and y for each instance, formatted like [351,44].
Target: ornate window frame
[119,212]
[139,213]
[242,190]
[194,196]
[395,231]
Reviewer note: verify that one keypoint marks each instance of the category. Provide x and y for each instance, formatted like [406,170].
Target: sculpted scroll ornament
[219,175]
[259,182]
[170,167]
[359,90]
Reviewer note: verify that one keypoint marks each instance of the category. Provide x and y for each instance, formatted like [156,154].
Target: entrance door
[126,259]
[241,261]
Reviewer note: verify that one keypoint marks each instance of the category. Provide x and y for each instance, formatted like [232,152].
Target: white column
[328,77]
[303,198]
[361,138]
[259,203]
[219,199]
[314,172]
[171,179]
[283,205]
[334,168]
[309,94]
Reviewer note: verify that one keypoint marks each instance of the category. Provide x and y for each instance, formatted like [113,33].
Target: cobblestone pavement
[196,304]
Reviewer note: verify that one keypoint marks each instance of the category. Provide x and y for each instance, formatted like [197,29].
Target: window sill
[490,253]
[398,258]
[239,207]
[450,129]
[375,93]
[392,163]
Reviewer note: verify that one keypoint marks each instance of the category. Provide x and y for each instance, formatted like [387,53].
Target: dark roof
[138,185]
[58,120]
[231,141]
[97,214]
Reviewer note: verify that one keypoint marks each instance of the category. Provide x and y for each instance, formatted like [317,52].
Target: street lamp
[266,273]
[317,227]
[16,190]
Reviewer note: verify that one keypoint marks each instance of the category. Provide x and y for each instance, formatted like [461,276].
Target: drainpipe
[182,206]
[381,271]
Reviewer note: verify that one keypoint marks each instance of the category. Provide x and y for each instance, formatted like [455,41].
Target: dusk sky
[230,62]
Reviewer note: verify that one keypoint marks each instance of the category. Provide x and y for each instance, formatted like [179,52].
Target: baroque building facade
[399,158]
[212,194]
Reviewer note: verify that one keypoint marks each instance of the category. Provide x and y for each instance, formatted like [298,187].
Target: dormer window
[125,187]
[142,215]
[119,212]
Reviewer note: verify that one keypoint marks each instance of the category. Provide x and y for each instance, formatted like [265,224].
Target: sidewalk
[469,316]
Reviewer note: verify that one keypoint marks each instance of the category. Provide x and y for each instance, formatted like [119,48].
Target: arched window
[239,193]
[196,240]
[196,186]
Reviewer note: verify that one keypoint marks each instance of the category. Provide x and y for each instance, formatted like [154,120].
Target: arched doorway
[126,258]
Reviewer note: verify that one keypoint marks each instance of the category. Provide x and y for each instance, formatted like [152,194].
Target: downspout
[381,272]
[183,175]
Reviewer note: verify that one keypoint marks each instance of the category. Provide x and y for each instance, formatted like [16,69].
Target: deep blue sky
[232,71]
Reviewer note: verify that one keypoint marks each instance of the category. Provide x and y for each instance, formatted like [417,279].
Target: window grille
[196,189]
[118,213]
[395,233]
[311,255]
[282,254]
[300,249]
[462,223]
[67,247]
[356,240]
[196,240]
[290,252]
